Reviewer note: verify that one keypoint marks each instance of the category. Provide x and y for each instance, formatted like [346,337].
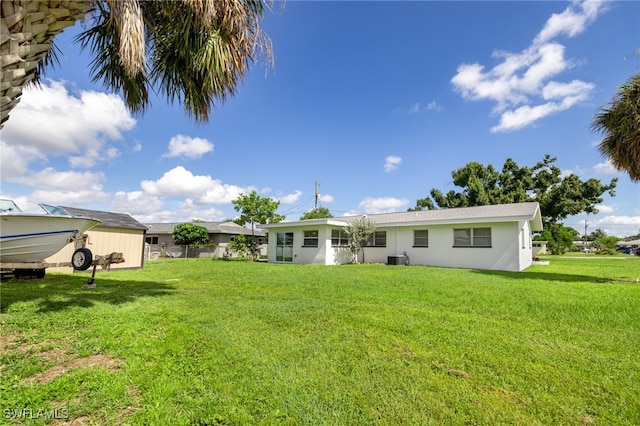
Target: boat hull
[26,238]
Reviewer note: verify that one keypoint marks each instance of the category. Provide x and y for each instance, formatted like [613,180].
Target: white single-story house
[484,237]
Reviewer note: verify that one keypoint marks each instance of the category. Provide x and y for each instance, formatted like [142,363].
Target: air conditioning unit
[396,260]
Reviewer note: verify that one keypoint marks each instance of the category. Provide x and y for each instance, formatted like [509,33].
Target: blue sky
[377,101]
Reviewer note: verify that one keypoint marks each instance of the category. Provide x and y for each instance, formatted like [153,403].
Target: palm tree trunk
[26,30]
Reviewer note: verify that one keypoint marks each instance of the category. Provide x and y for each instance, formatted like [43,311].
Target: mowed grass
[202,342]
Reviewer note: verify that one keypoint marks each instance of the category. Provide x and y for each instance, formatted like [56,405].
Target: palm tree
[192,51]
[619,124]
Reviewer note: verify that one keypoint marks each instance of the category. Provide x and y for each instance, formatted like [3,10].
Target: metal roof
[108,219]
[493,213]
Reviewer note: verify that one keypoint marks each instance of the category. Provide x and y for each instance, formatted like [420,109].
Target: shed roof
[108,219]
[493,213]
[212,227]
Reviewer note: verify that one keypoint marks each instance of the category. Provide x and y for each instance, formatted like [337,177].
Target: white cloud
[617,225]
[50,179]
[14,161]
[136,203]
[577,170]
[605,168]
[52,121]
[184,212]
[188,147]
[325,198]
[576,89]
[602,208]
[190,210]
[434,106]
[179,182]
[572,21]
[381,205]
[64,188]
[431,106]
[391,163]
[618,220]
[70,197]
[521,84]
[290,198]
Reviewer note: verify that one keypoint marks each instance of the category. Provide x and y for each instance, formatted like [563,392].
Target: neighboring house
[539,247]
[160,240]
[484,237]
[632,243]
[630,247]
[117,232]
[582,246]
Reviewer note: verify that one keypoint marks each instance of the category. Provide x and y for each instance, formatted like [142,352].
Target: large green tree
[189,234]
[559,196]
[256,209]
[192,51]
[316,213]
[559,238]
[619,124]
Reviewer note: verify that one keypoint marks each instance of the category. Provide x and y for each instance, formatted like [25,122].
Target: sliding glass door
[284,247]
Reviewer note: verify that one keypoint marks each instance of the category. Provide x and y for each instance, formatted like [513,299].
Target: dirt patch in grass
[93,361]
[54,352]
[458,373]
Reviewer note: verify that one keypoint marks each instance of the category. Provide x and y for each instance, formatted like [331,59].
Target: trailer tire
[82,258]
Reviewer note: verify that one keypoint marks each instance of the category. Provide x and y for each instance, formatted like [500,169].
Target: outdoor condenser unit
[396,260]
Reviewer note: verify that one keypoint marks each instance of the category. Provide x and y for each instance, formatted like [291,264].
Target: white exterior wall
[323,254]
[526,245]
[507,251]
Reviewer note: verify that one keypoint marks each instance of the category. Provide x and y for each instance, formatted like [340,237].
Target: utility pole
[317,196]
[585,229]
[585,234]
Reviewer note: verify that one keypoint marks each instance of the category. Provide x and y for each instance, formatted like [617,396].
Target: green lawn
[203,342]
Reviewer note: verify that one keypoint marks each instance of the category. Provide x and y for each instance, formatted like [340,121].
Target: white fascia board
[305,223]
[455,221]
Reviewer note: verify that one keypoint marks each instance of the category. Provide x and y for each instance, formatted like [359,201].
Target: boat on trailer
[27,239]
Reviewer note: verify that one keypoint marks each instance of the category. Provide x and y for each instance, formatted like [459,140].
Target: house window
[151,240]
[310,239]
[339,238]
[421,238]
[377,239]
[472,237]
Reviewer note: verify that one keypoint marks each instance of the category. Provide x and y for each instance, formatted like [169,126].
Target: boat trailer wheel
[81,259]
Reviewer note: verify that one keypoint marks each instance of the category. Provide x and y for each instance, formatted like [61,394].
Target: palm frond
[619,124]
[102,38]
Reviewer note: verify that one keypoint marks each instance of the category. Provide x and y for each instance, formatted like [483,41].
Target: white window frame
[342,238]
[472,237]
[376,239]
[310,240]
[421,238]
